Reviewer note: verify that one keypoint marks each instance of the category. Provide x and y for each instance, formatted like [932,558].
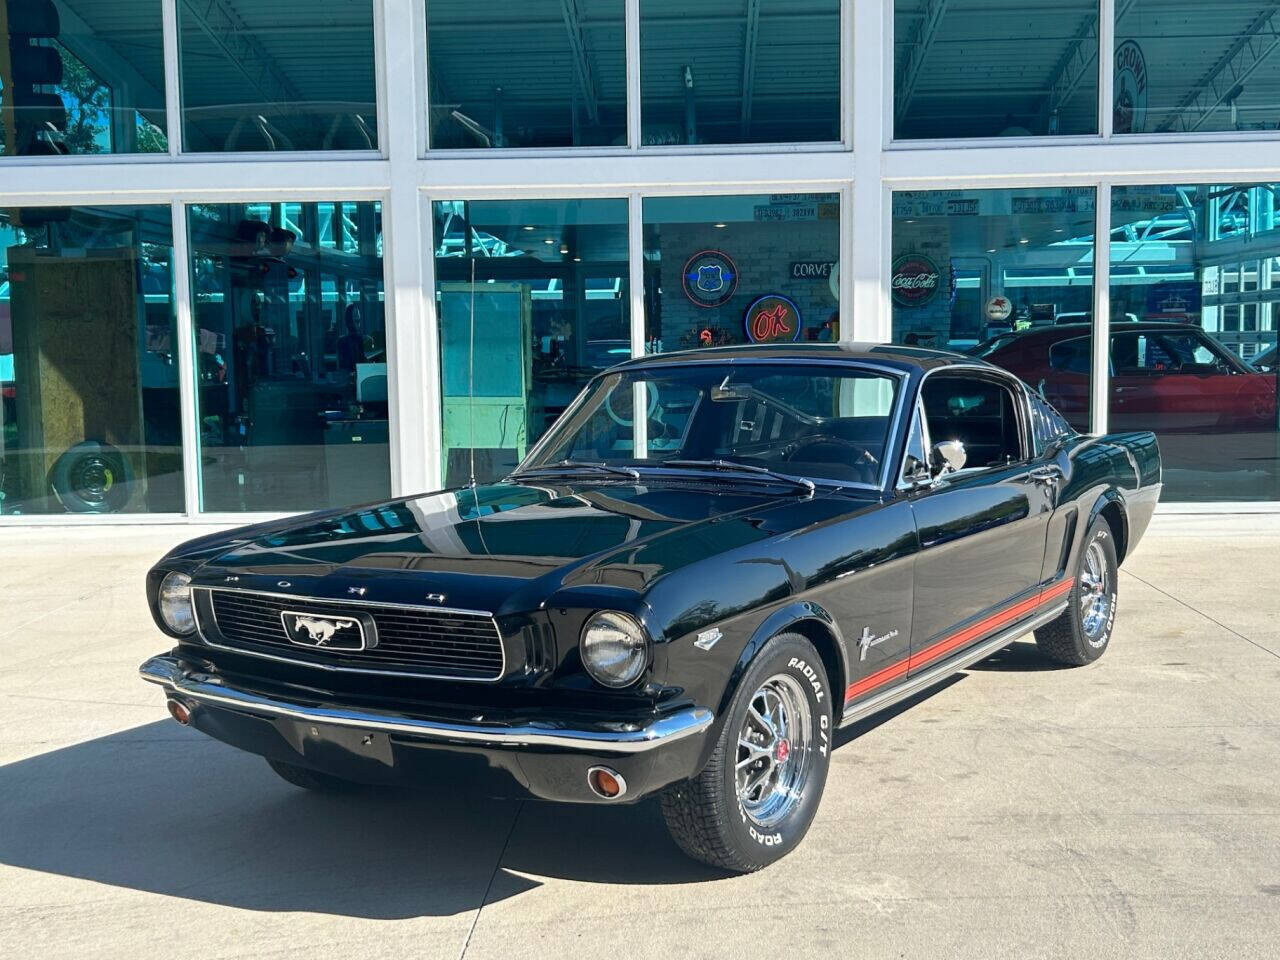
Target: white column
[864,288]
[1107,70]
[186,334]
[1100,382]
[172,94]
[413,371]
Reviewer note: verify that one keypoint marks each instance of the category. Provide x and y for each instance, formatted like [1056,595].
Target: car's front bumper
[544,758]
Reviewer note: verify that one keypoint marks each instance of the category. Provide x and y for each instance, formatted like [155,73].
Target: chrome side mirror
[947,457]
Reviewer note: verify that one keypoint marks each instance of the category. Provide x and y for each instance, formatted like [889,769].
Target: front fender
[800,616]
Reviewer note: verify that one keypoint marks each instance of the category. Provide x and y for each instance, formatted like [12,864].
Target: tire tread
[1062,639]
[696,810]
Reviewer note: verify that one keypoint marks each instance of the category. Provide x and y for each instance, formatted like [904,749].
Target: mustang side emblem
[332,633]
[867,640]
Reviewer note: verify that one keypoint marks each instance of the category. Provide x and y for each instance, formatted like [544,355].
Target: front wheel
[756,797]
[1083,631]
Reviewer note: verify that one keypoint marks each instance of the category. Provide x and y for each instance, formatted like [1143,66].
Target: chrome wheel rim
[775,747]
[1095,594]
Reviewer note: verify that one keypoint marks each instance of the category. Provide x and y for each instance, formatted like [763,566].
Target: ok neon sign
[772,319]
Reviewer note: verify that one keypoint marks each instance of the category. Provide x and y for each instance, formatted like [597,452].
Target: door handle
[1046,475]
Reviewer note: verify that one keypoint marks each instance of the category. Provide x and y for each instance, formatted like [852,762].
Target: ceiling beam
[223,26]
[1078,62]
[749,48]
[1258,42]
[930,21]
[581,60]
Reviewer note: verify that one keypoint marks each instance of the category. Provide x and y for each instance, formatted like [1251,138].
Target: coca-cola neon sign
[916,279]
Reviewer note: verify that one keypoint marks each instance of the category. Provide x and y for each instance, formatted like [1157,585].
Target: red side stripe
[876,679]
[961,638]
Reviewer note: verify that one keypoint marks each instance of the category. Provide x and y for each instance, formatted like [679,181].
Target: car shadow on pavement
[846,735]
[161,809]
[1021,656]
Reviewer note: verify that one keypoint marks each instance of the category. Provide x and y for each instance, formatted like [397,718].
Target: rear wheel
[309,779]
[1083,631]
[754,801]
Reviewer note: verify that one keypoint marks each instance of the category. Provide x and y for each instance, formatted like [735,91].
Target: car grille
[446,644]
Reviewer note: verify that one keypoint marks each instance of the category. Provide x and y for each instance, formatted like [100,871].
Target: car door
[1172,382]
[982,530]
[1065,383]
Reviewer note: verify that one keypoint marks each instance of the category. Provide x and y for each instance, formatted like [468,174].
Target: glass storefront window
[767,71]
[291,354]
[81,77]
[1196,67]
[1006,275]
[89,408]
[533,301]
[999,68]
[741,269]
[256,76]
[541,73]
[1193,337]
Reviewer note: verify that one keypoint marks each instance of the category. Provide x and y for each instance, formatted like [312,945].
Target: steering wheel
[864,455]
[624,422]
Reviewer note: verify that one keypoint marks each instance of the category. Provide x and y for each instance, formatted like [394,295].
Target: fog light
[606,783]
[179,711]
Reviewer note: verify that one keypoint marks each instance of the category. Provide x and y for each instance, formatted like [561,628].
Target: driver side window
[979,412]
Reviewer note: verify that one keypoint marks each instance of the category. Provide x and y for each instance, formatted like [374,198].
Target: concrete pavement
[1128,809]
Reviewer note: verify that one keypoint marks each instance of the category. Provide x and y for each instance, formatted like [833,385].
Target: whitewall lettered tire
[756,797]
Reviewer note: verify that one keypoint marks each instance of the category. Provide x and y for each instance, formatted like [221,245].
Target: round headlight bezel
[173,600]
[614,622]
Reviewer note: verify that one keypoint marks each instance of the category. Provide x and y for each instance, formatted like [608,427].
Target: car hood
[502,548]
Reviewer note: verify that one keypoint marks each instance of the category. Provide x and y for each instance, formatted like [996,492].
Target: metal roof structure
[1009,67]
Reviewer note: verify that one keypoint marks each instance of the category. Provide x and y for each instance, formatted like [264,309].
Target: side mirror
[947,457]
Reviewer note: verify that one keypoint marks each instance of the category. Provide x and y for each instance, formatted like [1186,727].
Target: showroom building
[264,257]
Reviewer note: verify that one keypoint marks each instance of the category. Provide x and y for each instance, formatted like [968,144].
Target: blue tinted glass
[540,73]
[766,71]
[740,269]
[533,302]
[87,77]
[1195,286]
[89,408]
[291,357]
[1186,67]
[995,68]
[1005,275]
[262,76]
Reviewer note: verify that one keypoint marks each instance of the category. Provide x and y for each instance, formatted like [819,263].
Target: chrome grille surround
[426,642]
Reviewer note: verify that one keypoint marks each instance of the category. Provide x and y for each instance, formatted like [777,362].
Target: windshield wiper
[729,466]
[573,466]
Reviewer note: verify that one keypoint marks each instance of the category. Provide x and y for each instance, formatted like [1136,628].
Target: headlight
[615,650]
[175,603]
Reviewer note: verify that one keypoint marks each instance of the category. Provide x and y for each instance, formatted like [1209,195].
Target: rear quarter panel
[1123,469]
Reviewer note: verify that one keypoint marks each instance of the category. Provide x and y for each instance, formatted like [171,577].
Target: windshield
[804,420]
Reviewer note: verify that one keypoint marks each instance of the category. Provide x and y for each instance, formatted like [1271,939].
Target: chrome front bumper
[606,738]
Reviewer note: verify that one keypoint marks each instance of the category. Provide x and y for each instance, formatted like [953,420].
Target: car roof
[1065,331]
[883,354]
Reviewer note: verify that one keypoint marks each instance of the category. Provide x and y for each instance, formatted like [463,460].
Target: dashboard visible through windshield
[823,422]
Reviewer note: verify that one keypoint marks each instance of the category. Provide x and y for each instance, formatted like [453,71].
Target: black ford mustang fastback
[711,562]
